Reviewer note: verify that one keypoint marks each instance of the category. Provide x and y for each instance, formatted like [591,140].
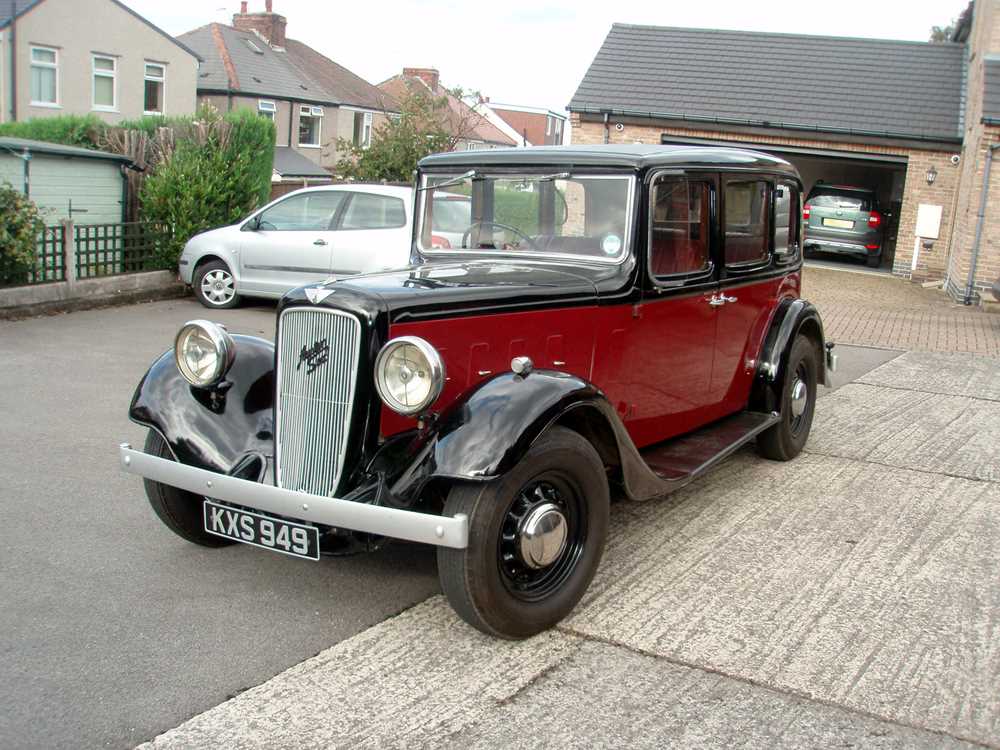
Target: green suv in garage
[844,220]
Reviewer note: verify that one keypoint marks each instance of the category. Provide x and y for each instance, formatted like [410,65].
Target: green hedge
[20,225]
[210,181]
[69,130]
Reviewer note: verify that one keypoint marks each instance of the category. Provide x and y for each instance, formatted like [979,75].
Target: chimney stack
[268,24]
[427,75]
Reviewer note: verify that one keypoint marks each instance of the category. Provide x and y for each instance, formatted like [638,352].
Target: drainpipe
[13,66]
[607,132]
[980,219]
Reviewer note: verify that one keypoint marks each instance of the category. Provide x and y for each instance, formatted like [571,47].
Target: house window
[558,127]
[310,125]
[548,125]
[44,76]
[679,227]
[156,82]
[363,129]
[266,109]
[105,87]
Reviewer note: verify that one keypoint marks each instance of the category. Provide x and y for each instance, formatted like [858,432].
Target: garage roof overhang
[763,127]
[862,156]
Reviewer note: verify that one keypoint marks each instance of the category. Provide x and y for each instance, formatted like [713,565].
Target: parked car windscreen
[549,214]
[840,199]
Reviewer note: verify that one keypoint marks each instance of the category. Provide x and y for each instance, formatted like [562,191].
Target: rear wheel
[180,511]
[536,537]
[785,440]
[873,261]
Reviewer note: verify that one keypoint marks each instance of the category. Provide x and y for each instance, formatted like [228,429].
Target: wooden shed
[66,182]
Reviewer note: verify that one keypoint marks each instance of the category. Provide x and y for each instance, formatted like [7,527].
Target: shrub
[20,227]
[210,178]
[69,130]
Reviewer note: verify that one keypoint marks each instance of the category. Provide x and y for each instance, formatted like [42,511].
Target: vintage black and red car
[609,320]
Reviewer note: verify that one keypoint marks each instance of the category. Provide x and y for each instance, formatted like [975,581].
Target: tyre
[873,261]
[215,286]
[785,440]
[536,536]
[180,511]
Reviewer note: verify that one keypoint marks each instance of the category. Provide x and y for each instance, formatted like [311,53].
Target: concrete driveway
[847,598]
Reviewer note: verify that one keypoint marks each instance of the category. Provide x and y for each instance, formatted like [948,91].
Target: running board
[680,460]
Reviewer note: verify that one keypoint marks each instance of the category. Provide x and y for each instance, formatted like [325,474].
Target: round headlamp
[203,351]
[409,375]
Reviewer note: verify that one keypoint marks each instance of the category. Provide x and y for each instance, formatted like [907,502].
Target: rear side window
[833,199]
[746,222]
[786,219]
[370,211]
[679,227]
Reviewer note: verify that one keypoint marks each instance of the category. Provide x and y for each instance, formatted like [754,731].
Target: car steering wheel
[468,233]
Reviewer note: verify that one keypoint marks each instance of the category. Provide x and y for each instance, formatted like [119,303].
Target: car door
[749,284]
[373,234]
[673,334]
[289,244]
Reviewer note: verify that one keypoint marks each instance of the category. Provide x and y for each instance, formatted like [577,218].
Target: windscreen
[585,215]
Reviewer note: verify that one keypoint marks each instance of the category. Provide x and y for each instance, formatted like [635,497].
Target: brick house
[913,120]
[528,126]
[472,129]
[312,100]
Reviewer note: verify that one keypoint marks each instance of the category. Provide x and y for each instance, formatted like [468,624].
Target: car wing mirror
[253,225]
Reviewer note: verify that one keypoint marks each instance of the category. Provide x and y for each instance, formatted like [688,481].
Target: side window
[786,219]
[746,222]
[679,227]
[310,211]
[369,211]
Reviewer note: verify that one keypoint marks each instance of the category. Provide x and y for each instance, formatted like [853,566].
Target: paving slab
[867,586]
[955,374]
[410,681]
[604,696]
[915,429]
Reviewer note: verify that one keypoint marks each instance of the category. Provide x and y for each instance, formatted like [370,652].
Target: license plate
[295,539]
[838,223]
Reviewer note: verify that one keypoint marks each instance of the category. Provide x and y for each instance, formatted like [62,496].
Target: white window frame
[49,66]
[311,111]
[548,124]
[96,73]
[267,108]
[162,80]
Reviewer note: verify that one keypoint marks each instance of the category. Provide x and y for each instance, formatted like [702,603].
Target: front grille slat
[314,409]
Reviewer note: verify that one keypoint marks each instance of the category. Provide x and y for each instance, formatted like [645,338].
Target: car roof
[840,188]
[633,156]
[400,191]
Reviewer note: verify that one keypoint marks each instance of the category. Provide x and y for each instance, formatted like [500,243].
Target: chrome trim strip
[345,389]
[329,511]
[290,269]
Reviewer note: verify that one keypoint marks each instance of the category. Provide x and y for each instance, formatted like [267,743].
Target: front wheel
[536,537]
[785,440]
[180,511]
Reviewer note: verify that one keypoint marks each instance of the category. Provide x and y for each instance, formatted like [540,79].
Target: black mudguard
[793,316]
[487,431]
[227,428]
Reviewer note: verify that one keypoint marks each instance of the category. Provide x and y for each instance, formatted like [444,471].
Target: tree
[942,33]
[427,124]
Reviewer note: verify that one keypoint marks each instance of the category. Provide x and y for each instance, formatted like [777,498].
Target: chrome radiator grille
[317,371]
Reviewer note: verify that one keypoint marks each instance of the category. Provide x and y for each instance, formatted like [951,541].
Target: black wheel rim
[521,580]
[801,375]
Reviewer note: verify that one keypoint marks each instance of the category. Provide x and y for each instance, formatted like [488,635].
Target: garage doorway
[885,174]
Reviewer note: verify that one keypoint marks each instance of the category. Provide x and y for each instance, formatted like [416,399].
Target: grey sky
[534,53]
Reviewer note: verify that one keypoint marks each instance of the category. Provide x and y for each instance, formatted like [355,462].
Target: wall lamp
[931,175]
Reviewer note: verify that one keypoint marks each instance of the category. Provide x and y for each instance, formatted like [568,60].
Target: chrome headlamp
[203,351]
[409,375]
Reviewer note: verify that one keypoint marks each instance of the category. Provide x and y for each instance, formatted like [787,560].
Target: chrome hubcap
[218,287]
[542,536]
[800,397]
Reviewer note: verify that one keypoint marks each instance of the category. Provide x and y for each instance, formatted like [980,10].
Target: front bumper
[329,511]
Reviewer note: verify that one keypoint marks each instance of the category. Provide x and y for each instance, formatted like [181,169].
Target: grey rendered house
[90,57]
[312,100]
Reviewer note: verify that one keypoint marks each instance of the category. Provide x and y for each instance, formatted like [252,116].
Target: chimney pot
[243,8]
[270,25]
[269,6]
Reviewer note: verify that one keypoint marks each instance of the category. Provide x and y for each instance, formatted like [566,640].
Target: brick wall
[931,264]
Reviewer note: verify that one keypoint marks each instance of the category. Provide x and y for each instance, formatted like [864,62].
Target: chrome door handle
[729,299]
[319,242]
[717,301]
